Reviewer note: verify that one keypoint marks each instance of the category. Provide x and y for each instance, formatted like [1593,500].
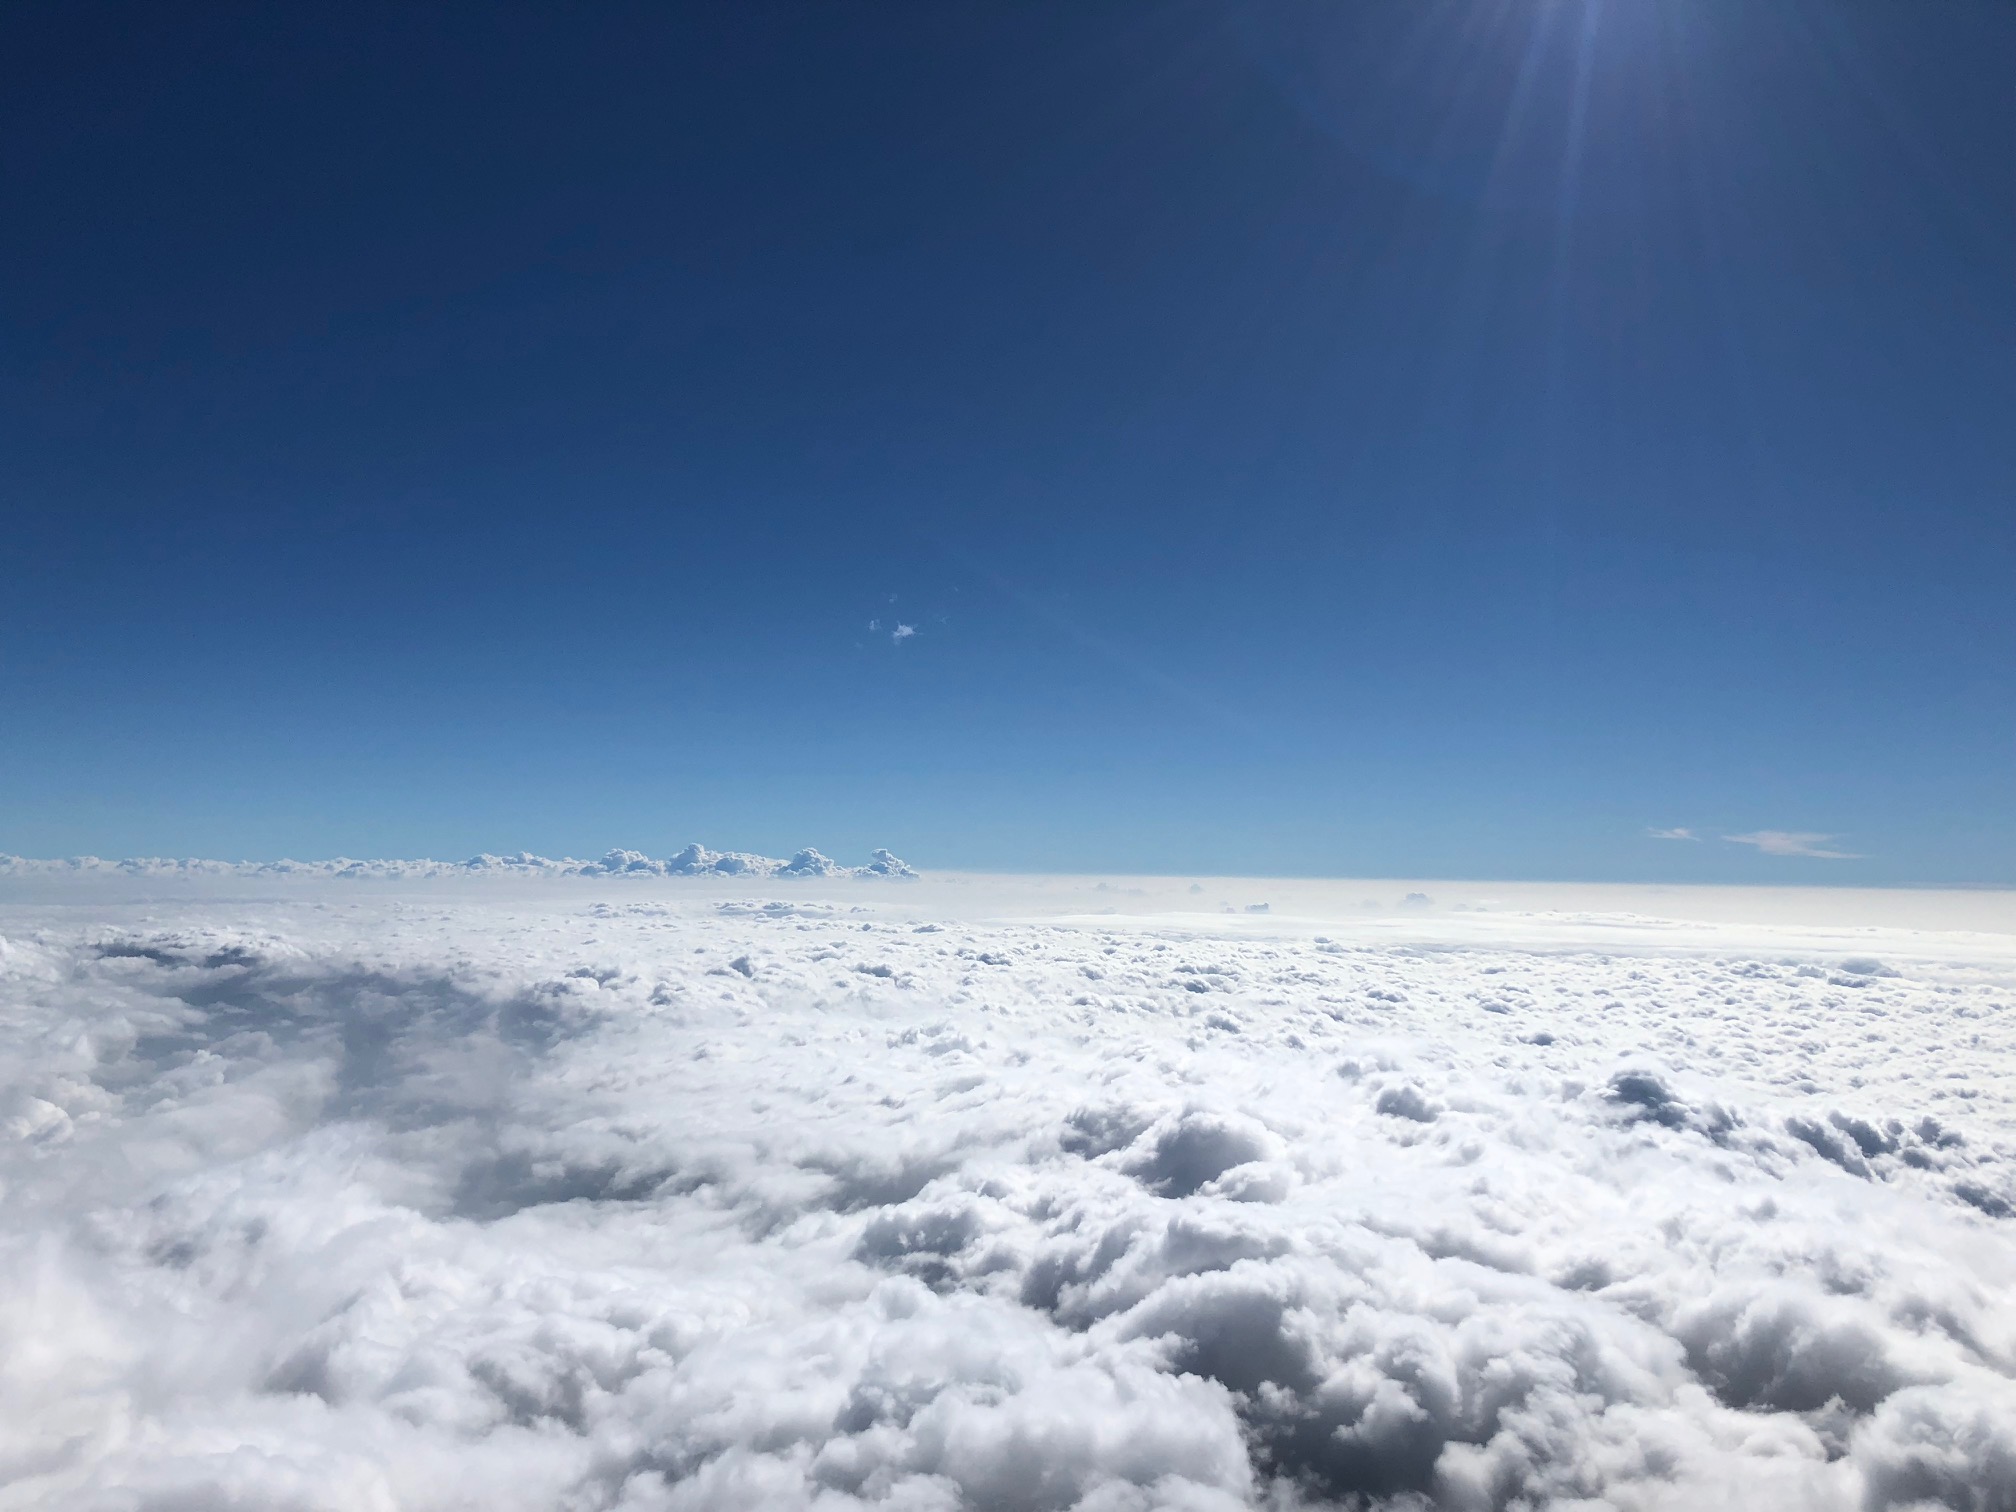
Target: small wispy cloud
[1794,843]
[902,633]
[1680,833]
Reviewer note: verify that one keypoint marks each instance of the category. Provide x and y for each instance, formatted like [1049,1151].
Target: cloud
[1681,833]
[694,861]
[1793,843]
[902,633]
[429,1201]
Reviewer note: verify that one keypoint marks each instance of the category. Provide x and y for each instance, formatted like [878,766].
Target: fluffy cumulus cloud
[661,1201]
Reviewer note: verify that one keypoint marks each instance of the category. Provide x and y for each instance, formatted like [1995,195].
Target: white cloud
[902,633]
[1681,833]
[1793,843]
[332,1200]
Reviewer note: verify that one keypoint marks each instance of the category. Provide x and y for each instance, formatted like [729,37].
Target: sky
[1520,440]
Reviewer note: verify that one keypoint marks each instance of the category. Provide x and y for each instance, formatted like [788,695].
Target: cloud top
[677,1205]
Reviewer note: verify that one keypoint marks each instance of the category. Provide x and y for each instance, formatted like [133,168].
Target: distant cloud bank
[693,861]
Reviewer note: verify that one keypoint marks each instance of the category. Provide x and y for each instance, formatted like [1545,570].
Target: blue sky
[1402,439]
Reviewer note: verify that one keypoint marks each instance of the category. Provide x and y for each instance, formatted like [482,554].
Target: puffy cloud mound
[336,1203]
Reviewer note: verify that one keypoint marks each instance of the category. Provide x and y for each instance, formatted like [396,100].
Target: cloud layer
[798,1202]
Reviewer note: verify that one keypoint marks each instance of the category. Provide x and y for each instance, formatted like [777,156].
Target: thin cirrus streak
[1794,843]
